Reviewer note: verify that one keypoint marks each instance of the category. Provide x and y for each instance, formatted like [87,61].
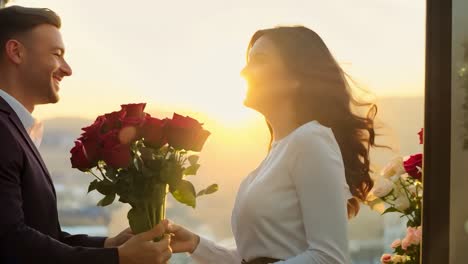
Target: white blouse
[292,207]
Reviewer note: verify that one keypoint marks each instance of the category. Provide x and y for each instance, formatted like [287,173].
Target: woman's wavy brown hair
[325,95]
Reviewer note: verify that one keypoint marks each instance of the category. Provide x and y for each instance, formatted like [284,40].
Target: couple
[293,208]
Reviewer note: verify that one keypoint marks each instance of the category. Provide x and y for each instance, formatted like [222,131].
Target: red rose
[128,135]
[421,136]
[91,138]
[132,121]
[79,158]
[135,115]
[186,133]
[94,130]
[113,121]
[413,165]
[188,122]
[114,153]
[134,110]
[92,147]
[153,132]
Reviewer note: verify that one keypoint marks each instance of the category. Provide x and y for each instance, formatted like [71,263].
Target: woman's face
[269,82]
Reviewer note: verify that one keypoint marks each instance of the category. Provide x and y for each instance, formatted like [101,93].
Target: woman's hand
[182,239]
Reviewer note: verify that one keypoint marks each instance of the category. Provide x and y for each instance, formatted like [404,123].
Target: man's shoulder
[7,131]
[5,122]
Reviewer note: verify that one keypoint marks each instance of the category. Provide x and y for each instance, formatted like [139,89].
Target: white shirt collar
[25,117]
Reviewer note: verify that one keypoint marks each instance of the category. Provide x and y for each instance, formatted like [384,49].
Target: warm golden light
[186,57]
[190,58]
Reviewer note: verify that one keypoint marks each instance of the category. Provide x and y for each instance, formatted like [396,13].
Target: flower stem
[92,173]
[102,173]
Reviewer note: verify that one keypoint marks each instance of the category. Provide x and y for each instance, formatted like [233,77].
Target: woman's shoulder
[313,138]
[313,133]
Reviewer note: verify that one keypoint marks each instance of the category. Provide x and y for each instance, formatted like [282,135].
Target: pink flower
[418,232]
[405,243]
[412,238]
[396,243]
[386,258]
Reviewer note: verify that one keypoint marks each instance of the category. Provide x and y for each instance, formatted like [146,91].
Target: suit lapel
[19,126]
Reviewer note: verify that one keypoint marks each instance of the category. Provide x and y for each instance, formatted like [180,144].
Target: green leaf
[154,165]
[108,199]
[390,210]
[148,173]
[185,193]
[138,220]
[209,190]
[193,159]
[93,186]
[105,187]
[192,170]
[399,250]
[111,173]
[171,173]
[212,188]
[146,153]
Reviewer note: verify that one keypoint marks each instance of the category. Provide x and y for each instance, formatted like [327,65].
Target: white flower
[382,187]
[402,203]
[395,178]
[399,188]
[393,168]
[399,259]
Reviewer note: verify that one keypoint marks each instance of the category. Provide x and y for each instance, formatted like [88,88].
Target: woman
[293,207]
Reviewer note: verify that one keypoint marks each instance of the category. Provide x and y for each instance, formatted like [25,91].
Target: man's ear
[14,51]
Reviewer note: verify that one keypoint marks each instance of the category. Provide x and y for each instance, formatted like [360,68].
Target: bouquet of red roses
[140,159]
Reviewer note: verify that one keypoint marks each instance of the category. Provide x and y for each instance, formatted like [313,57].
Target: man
[32,64]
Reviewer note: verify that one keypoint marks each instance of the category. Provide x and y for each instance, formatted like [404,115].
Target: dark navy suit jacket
[29,227]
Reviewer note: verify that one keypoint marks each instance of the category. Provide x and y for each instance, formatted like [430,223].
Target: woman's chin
[252,105]
[248,103]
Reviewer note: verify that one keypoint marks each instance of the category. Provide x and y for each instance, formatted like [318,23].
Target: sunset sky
[186,55]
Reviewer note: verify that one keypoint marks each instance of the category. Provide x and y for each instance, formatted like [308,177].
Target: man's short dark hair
[15,20]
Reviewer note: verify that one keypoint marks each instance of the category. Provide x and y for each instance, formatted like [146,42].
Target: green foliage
[193,159]
[209,190]
[108,199]
[390,210]
[144,184]
[184,192]
[192,170]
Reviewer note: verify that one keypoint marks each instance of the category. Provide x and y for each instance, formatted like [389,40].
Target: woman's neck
[282,121]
